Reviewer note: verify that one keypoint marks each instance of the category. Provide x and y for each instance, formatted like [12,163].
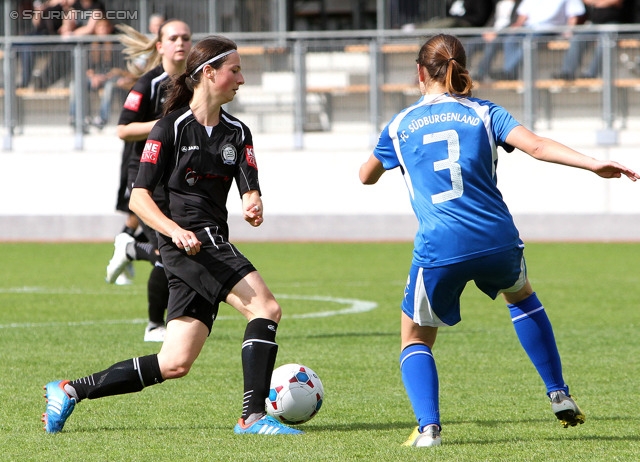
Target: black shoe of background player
[503,75]
[563,76]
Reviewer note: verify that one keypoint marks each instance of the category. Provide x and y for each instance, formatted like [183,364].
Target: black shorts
[150,233]
[124,194]
[124,190]
[198,283]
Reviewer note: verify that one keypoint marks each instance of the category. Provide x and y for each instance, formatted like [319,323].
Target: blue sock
[536,337]
[420,379]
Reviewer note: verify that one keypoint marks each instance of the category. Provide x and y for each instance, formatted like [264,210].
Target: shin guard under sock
[536,337]
[127,376]
[259,350]
[420,379]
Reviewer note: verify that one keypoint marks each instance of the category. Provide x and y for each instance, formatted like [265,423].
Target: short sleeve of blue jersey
[501,124]
[385,152]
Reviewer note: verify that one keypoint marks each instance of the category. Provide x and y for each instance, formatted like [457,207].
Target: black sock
[130,231]
[259,351]
[143,251]
[127,376]
[141,237]
[157,295]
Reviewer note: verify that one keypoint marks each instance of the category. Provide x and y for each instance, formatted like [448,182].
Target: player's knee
[176,372]
[271,310]
[173,368]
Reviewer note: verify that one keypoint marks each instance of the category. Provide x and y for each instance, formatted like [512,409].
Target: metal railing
[302,81]
[233,16]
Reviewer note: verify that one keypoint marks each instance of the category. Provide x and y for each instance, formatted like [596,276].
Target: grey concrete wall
[51,192]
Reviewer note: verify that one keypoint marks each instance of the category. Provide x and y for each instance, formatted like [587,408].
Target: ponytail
[179,93]
[457,80]
[445,60]
[140,51]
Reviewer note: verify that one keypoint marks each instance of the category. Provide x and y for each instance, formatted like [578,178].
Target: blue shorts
[432,295]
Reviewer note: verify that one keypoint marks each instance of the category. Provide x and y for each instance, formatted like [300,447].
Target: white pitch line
[69,291]
[354,306]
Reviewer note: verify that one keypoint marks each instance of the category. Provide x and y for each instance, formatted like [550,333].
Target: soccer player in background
[445,145]
[195,153]
[141,110]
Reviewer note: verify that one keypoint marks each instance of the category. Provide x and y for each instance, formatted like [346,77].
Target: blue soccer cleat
[265,426]
[59,406]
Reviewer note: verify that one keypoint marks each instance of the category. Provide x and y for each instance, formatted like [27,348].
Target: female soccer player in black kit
[195,153]
[141,110]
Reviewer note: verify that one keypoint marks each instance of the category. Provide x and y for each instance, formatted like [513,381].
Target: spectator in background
[536,15]
[464,13]
[24,23]
[84,17]
[46,19]
[403,14]
[504,16]
[155,21]
[598,12]
[80,18]
[104,75]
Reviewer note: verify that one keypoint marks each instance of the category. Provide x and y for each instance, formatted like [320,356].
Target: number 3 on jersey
[450,163]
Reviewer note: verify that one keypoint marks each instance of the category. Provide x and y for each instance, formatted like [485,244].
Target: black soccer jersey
[143,104]
[196,169]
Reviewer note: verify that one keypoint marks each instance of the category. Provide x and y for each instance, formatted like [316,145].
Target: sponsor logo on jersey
[151,151]
[189,148]
[251,157]
[229,154]
[133,101]
[191,177]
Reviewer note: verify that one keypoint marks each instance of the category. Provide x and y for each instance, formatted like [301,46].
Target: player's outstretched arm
[371,170]
[548,150]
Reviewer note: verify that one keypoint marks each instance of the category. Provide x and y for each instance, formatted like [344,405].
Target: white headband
[215,58]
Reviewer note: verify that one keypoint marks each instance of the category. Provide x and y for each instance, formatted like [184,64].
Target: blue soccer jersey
[446,148]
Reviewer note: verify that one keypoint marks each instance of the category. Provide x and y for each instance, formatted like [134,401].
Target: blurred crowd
[534,16]
[107,72]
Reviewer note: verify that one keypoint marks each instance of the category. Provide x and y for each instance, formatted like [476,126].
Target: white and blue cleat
[59,406]
[265,426]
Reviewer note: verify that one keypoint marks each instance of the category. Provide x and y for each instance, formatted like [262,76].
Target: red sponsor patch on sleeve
[133,101]
[251,156]
[151,151]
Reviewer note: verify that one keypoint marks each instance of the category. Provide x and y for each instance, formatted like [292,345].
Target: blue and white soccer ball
[295,395]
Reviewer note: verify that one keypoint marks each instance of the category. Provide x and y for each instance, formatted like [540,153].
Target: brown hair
[181,90]
[446,62]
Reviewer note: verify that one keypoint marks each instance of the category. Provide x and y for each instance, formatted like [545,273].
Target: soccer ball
[295,395]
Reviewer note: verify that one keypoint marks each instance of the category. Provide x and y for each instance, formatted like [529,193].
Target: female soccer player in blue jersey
[446,147]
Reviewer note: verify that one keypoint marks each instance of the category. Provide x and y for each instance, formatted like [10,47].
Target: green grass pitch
[59,319]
